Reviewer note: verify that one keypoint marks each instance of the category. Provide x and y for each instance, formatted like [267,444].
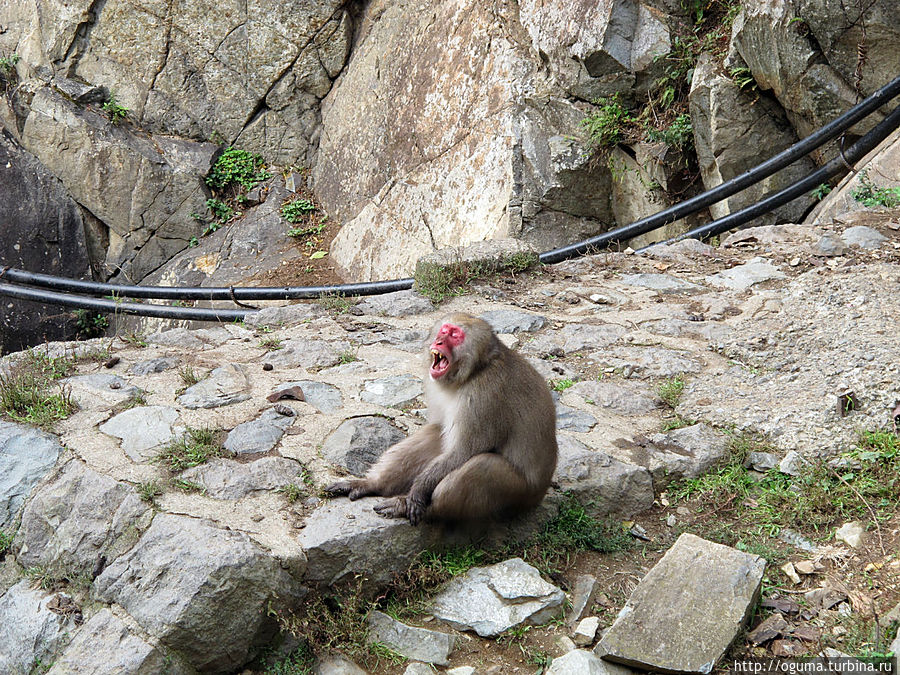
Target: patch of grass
[574,529]
[517,636]
[382,652]
[609,125]
[27,393]
[148,490]
[335,304]
[678,422]
[562,384]
[189,376]
[116,111]
[870,195]
[272,343]
[292,492]
[439,281]
[348,356]
[193,449]
[188,486]
[297,210]
[299,662]
[670,390]
[815,501]
[237,167]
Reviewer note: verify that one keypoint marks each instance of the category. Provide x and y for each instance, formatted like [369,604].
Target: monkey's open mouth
[440,364]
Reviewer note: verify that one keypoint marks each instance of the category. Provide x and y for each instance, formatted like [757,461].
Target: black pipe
[116,307]
[736,184]
[637,228]
[836,166]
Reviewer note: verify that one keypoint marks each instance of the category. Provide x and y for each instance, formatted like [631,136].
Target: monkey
[489,446]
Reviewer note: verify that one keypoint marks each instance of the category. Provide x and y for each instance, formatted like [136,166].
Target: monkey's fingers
[415,509]
[395,507]
[342,487]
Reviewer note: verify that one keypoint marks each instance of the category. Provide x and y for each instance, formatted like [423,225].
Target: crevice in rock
[82,37]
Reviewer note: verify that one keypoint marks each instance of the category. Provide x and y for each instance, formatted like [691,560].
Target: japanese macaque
[489,447]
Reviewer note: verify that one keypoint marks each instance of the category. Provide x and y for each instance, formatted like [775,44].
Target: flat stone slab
[505,321]
[687,610]
[225,385]
[744,276]
[321,396]
[228,479]
[308,353]
[144,429]
[492,599]
[358,442]
[400,303]
[416,644]
[100,391]
[259,435]
[26,455]
[392,392]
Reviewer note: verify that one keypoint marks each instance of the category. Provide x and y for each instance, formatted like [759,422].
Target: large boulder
[143,188]
[731,130]
[43,231]
[465,139]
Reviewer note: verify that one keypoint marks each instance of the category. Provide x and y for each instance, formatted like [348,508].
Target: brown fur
[489,447]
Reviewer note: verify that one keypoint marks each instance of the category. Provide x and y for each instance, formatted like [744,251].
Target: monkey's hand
[342,487]
[395,507]
[416,503]
[354,489]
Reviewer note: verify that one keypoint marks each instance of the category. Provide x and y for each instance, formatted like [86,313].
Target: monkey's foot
[415,508]
[395,507]
[339,489]
[354,489]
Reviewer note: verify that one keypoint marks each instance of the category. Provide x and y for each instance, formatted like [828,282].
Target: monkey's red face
[449,338]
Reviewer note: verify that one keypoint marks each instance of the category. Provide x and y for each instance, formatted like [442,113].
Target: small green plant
[382,652]
[188,486]
[334,303]
[870,195]
[89,324]
[27,393]
[294,211]
[272,343]
[678,135]
[292,492]
[670,390]
[610,125]
[8,63]
[237,167]
[299,662]
[312,230]
[6,539]
[189,376]
[742,76]
[193,449]
[116,111]
[348,356]
[561,385]
[148,490]
[221,213]
[821,192]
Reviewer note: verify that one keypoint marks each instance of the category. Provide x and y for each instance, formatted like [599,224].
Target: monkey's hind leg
[396,469]
[484,486]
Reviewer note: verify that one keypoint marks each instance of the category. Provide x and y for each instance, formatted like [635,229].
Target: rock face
[722,584]
[164,583]
[44,231]
[30,631]
[26,455]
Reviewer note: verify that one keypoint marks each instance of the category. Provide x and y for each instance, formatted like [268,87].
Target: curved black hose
[836,166]
[114,306]
[637,228]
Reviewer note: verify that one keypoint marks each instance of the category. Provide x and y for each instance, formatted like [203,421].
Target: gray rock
[29,631]
[392,392]
[505,321]
[144,429]
[687,610]
[342,537]
[582,594]
[337,664]
[583,662]
[324,397]
[259,435]
[106,645]
[189,584]
[830,245]
[607,484]
[661,283]
[287,315]
[26,455]
[100,391]
[416,668]
[400,303]
[682,453]
[490,600]
[586,631]
[461,670]
[684,248]
[862,236]
[623,398]
[78,518]
[416,644]
[358,442]
[228,479]
[44,231]
[224,386]
[572,419]
[154,365]
[742,277]
[761,461]
[793,463]
[308,353]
